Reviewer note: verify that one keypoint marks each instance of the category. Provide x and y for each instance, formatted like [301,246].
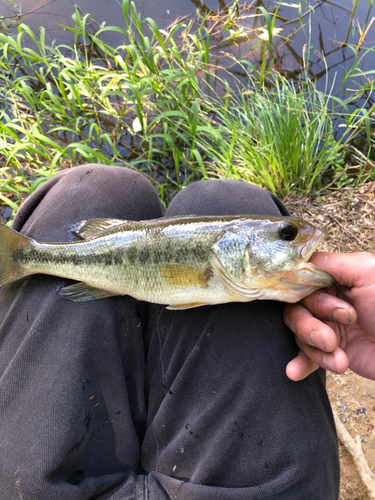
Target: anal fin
[80,292]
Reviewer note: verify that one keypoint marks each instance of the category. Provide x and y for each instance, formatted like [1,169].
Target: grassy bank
[157,103]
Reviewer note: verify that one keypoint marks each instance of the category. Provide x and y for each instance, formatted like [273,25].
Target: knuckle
[315,302]
[290,316]
[314,354]
[320,302]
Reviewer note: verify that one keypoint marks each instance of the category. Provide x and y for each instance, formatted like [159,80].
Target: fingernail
[329,362]
[316,339]
[340,315]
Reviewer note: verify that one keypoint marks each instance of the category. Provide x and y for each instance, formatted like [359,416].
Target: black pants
[188,405]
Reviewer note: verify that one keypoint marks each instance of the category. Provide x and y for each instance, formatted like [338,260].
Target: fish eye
[288,232]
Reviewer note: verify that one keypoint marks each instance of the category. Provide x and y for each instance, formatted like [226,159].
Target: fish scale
[181,261]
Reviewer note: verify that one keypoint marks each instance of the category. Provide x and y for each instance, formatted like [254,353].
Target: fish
[181,262]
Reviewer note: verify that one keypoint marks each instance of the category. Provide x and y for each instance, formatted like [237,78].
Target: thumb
[348,269]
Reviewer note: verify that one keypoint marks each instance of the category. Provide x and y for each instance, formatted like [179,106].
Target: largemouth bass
[182,262]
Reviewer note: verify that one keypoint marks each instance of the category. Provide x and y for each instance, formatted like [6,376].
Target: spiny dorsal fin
[10,243]
[178,275]
[92,228]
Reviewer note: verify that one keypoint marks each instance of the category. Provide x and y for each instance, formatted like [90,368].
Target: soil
[349,216]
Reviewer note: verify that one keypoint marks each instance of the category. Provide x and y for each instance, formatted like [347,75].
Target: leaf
[9,202]
[265,34]
[136,125]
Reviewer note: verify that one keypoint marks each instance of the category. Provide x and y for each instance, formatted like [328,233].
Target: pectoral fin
[178,275]
[80,292]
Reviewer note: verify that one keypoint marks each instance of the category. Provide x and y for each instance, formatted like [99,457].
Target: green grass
[283,138]
[151,104]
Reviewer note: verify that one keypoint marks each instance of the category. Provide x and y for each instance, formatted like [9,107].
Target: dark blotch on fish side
[167,252]
[117,258]
[144,255]
[75,260]
[20,255]
[46,256]
[33,255]
[157,257]
[131,255]
[98,259]
[197,249]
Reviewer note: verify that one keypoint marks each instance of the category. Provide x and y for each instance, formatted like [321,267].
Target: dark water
[50,13]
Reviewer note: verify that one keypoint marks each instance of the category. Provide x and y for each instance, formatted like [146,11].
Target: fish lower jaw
[296,285]
[293,294]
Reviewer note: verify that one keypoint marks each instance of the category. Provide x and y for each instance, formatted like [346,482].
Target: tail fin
[10,243]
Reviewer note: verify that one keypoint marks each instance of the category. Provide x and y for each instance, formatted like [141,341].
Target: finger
[335,361]
[330,308]
[348,269]
[300,367]
[309,329]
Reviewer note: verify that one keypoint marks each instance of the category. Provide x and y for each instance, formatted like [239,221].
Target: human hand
[335,328]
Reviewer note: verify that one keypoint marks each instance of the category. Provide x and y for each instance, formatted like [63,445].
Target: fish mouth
[298,284]
[308,274]
[309,247]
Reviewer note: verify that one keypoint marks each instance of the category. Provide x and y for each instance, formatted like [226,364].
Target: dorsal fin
[92,228]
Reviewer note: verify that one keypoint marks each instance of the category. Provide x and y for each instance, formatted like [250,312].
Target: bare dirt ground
[349,215]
